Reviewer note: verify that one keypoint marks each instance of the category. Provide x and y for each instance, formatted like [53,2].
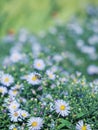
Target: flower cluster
[41,85]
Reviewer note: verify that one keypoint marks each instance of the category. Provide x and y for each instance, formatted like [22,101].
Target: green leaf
[79,115]
[64,123]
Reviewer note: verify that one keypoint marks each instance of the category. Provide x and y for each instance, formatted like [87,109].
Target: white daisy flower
[24,114]
[35,123]
[39,64]
[81,126]
[51,75]
[62,107]
[13,92]
[3,90]
[7,79]
[15,57]
[13,106]
[54,69]
[34,78]
[13,127]
[14,115]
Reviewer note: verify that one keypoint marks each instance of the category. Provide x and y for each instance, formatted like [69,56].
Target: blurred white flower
[88,49]
[39,64]
[52,30]
[80,43]
[23,35]
[16,57]
[76,27]
[93,39]
[58,58]
[36,49]
[8,38]
[92,69]
[51,75]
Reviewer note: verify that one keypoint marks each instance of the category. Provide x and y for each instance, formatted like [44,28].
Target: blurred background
[36,15]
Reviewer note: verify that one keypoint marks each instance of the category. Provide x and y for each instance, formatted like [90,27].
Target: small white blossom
[35,123]
[62,107]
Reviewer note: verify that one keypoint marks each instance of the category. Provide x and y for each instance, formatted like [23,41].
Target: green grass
[37,15]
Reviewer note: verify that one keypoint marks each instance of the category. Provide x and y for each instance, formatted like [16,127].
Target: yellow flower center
[14,107]
[16,114]
[14,128]
[50,75]
[34,78]
[24,114]
[6,79]
[15,91]
[62,107]
[38,64]
[84,128]
[34,124]
[1,90]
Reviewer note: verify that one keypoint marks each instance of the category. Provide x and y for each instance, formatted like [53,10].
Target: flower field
[50,81]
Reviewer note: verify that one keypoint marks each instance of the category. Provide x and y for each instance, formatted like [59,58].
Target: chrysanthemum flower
[50,74]
[13,92]
[62,107]
[13,106]
[7,79]
[18,86]
[81,126]
[34,79]
[3,90]
[1,73]
[13,127]
[24,114]
[39,64]
[35,123]
[15,57]
[15,116]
